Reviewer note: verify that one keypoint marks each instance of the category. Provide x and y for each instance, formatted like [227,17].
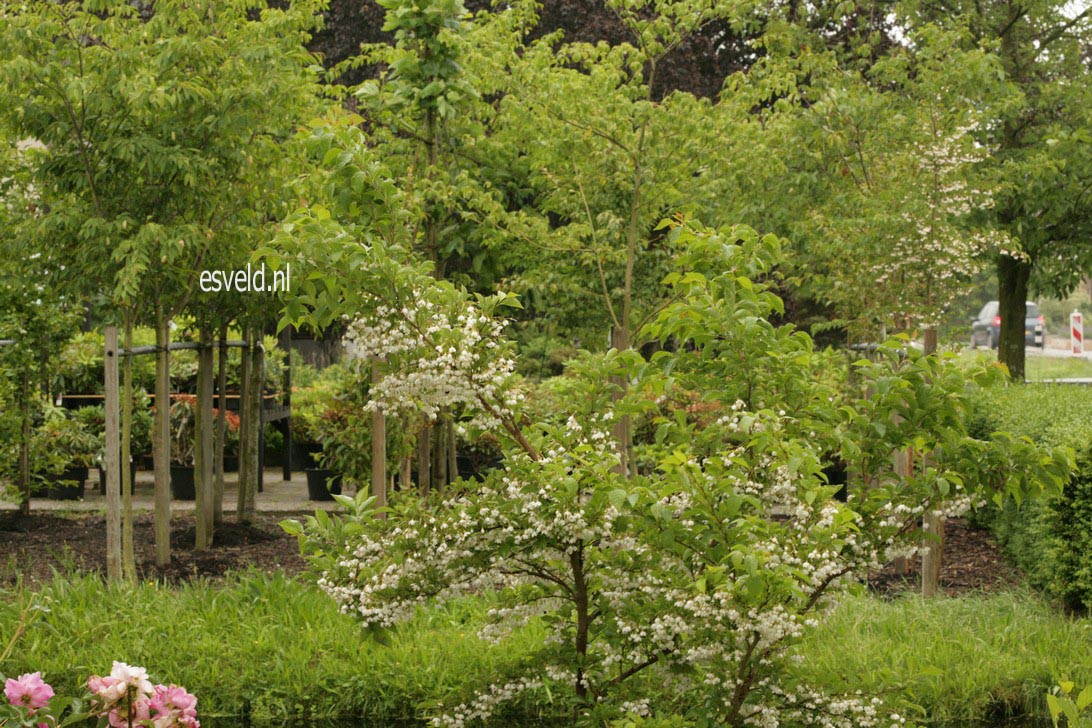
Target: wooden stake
[221,427]
[204,445]
[379,449]
[110,460]
[161,448]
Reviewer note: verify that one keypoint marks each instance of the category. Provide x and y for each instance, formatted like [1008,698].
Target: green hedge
[1049,538]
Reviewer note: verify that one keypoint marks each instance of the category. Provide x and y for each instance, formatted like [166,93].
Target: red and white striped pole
[1076,333]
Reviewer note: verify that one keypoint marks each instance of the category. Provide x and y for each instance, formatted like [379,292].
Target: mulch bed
[971,561]
[32,547]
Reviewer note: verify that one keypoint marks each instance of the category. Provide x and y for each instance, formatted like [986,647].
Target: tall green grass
[271,647]
[978,657]
[262,646]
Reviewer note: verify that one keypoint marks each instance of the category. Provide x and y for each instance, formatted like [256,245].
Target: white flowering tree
[681,591]
[902,223]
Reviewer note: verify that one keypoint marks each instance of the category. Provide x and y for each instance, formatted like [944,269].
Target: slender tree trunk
[244,423]
[161,440]
[583,617]
[1012,296]
[128,553]
[24,445]
[248,488]
[931,559]
[205,446]
[405,475]
[111,458]
[379,450]
[452,452]
[619,338]
[932,522]
[221,427]
[439,453]
[424,460]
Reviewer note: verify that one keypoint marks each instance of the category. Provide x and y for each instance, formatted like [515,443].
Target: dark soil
[971,561]
[31,548]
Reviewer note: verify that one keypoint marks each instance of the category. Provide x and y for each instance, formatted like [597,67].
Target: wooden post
[286,344]
[221,426]
[205,446]
[128,547]
[251,406]
[932,523]
[379,449]
[110,460]
[244,424]
[931,558]
[161,447]
[24,445]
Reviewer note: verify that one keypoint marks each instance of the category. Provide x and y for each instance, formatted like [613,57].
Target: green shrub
[1049,539]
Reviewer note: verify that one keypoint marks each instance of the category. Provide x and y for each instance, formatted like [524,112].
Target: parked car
[986,328]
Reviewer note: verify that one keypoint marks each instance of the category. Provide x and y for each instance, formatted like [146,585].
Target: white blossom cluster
[435,359]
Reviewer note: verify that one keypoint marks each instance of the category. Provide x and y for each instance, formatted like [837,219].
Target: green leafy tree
[162,135]
[710,566]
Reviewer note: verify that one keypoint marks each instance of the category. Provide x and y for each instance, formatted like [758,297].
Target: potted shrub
[62,449]
[311,431]
[183,442]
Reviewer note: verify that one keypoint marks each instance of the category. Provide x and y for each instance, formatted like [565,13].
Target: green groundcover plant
[678,590]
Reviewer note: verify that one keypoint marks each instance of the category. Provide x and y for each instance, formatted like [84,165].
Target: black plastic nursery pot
[303,455]
[132,480]
[67,485]
[317,480]
[182,483]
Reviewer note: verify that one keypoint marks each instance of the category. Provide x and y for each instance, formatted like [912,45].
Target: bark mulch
[971,561]
[32,547]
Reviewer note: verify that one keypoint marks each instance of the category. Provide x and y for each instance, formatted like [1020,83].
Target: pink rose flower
[174,708]
[28,691]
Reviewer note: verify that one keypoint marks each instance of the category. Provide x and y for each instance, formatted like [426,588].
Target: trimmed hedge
[1049,538]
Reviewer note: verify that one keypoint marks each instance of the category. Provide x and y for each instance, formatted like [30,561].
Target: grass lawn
[976,657]
[1038,368]
[273,647]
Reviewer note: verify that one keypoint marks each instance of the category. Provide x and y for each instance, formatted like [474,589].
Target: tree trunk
[452,452]
[24,443]
[379,450]
[583,618]
[128,553]
[248,488]
[1012,296]
[205,445]
[424,459]
[931,559]
[405,476]
[439,453]
[932,522]
[161,440]
[619,339]
[111,456]
[221,427]
[244,423]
